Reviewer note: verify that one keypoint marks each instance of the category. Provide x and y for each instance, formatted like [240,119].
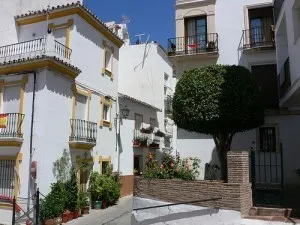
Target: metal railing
[277,9]
[258,37]
[10,126]
[36,45]
[83,131]
[34,48]
[284,78]
[200,43]
[179,203]
[62,50]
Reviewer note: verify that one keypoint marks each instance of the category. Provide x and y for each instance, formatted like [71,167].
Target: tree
[218,100]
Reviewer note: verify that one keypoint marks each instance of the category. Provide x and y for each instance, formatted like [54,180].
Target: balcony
[35,48]
[147,138]
[284,78]
[83,134]
[10,129]
[201,44]
[277,9]
[258,38]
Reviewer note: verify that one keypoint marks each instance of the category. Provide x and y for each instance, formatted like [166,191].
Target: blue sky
[155,17]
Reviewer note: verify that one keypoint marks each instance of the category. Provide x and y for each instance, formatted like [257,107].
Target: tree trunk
[223,144]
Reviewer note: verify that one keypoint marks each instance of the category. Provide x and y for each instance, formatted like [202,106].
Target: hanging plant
[159,133]
[147,130]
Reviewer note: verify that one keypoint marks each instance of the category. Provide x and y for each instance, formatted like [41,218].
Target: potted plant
[52,206]
[72,196]
[84,203]
[159,133]
[104,203]
[154,144]
[144,142]
[147,130]
[210,46]
[96,190]
[136,141]
[110,191]
[65,216]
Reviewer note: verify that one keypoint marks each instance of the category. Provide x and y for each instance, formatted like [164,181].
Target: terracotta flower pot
[75,214]
[70,216]
[65,217]
[136,142]
[85,210]
[104,203]
[50,222]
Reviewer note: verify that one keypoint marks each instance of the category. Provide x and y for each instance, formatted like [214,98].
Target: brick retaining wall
[236,194]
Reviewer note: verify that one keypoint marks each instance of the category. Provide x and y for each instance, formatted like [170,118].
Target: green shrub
[83,199]
[104,187]
[71,187]
[54,203]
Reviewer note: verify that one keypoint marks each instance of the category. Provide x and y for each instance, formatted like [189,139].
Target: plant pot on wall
[65,217]
[136,142]
[98,205]
[50,222]
[85,210]
[75,214]
[104,203]
[70,216]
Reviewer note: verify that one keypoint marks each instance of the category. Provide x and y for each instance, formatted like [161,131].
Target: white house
[242,33]
[145,84]
[58,90]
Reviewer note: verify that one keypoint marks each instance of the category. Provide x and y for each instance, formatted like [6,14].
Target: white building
[207,32]
[145,83]
[58,79]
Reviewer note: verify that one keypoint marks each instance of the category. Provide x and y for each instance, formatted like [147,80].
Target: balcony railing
[10,125]
[168,106]
[284,78]
[33,48]
[277,9]
[258,37]
[146,140]
[83,131]
[201,43]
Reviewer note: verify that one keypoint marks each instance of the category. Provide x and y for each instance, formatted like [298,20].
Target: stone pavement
[189,215]
[114,215]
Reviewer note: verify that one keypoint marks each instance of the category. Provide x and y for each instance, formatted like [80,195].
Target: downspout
[31,140]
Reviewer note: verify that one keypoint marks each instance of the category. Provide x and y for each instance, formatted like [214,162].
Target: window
[105,164]
[260,22]
[7,178]
[11,99]
[106,106]
[152,122]
[106,113]
[138,121]
[108,60]
[81,107]
[267,139]
[83,179]
[196,32]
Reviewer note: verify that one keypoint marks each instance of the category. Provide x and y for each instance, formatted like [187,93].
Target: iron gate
[267,177]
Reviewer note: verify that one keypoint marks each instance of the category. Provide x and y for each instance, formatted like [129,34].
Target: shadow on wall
[174,216]
[91,34]
[183,134]
[210,171]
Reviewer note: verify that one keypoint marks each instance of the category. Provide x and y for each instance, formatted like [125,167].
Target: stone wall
[236,194]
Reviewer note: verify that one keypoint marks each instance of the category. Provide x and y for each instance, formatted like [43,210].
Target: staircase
[273,214]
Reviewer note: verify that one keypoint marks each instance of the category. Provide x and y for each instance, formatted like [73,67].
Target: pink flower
[161,166]
[190,158]
[172,164]
[177,169]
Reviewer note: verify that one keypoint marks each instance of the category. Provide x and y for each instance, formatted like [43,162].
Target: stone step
[262,211]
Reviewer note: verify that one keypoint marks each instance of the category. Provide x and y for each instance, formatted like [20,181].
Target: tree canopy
[217,99]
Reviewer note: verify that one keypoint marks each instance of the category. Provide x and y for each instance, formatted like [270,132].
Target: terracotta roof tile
[77,4]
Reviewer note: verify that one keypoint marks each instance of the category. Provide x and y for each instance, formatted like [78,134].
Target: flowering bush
[171,167]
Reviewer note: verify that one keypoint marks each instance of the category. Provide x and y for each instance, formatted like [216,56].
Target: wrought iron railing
[168,106]
[62,50]
[83,131]
[34,48]
[258,37]
[200,43]
[36,45]
[284,78]
[277,9]
[10,126]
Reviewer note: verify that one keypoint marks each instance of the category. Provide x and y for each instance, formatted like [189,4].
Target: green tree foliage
[219,100]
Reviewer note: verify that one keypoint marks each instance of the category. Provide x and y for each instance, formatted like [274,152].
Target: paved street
[188,215]
[115,215]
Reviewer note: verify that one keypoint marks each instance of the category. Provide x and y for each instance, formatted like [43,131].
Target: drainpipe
[31,140]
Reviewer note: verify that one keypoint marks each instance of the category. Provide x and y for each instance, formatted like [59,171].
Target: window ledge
[105,123]
[106,72]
